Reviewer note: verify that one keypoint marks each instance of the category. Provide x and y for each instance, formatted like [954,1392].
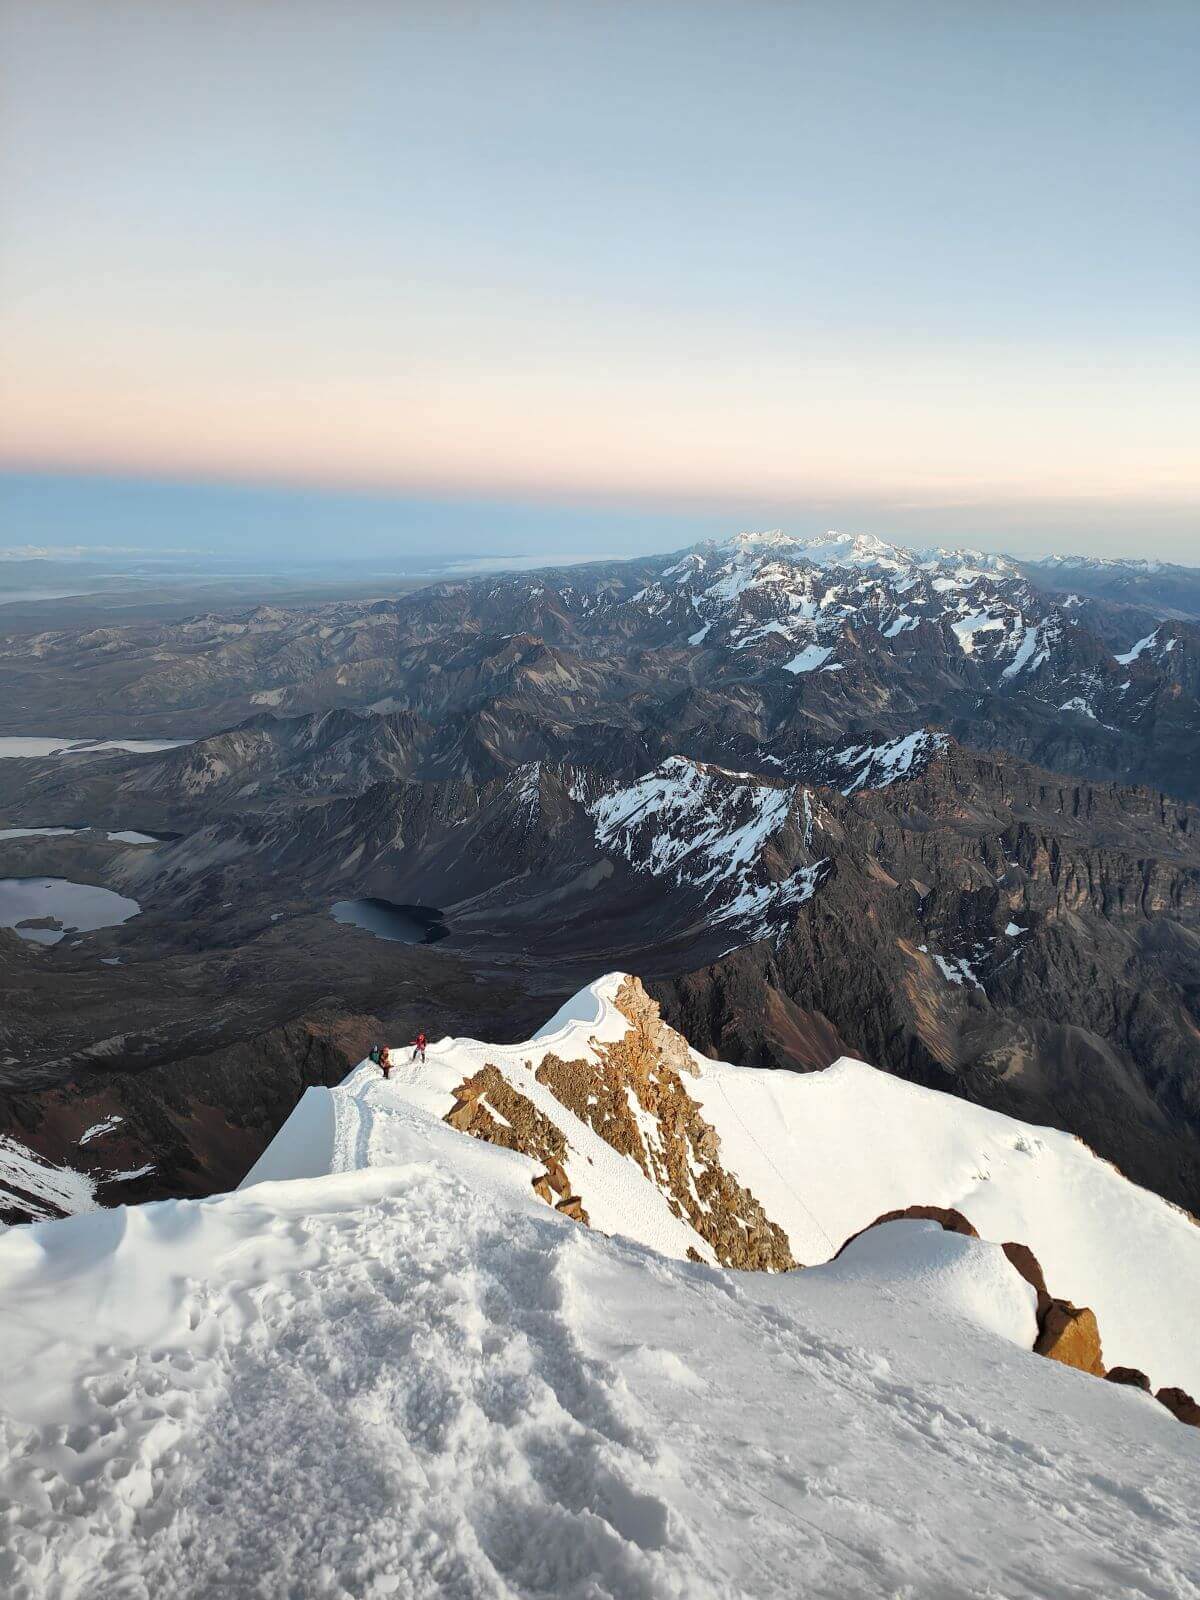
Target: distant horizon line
[464,521]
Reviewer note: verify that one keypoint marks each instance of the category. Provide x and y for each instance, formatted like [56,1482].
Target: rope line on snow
[784,1181]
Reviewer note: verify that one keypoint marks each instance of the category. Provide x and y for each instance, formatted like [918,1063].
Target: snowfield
[384,1367]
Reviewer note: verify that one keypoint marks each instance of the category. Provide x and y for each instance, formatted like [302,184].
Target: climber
[419,1048]
[385,1060]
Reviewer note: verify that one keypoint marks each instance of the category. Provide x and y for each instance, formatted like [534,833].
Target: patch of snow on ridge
[956,969]
[759,907]
[901,624]
[32,1185]
[1136,650]
[98,1129]
[877,766]
[707,828]
[811,657]
[1031,652]
[966,628]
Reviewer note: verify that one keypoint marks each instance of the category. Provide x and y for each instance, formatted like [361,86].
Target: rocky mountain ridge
[761,646]
[966,921]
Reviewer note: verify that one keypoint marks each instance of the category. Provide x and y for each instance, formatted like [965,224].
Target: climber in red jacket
[419,1048]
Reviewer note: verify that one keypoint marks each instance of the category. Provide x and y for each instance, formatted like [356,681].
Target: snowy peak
[609,1118]
[1108,564]
[821,606]
[527,1320]
[712,831]
[878,766]
[824,550]
[746,846]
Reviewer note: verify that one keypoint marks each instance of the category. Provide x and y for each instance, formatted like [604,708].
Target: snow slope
[397,1372]
[31,1184]
[825,1153]
[703,826]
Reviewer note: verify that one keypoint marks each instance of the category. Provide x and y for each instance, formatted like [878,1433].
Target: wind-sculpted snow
[409,1377]
[824,1153]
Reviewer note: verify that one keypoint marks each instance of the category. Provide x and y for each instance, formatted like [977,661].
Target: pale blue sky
[895,266]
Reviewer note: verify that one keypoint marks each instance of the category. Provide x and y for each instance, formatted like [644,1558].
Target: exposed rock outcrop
[1068,1333]
[1030,1268]
[488,1107]
[952,1222]
[636,1100]
[1134,1377]
[1181,1405]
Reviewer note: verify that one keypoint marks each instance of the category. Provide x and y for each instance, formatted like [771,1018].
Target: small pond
[387,920]
[60,907]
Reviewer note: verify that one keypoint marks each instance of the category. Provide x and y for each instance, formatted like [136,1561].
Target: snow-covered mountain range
[527,1319]
[826,605]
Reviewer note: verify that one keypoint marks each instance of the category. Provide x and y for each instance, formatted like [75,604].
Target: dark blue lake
[387,920]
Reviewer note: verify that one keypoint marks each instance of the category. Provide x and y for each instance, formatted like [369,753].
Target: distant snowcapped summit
[1108,564]
[863,550]
[829,549]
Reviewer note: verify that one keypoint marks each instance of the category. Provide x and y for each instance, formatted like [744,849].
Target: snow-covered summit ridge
[822,1154]
[398,1372]
[810,606]
[834,549]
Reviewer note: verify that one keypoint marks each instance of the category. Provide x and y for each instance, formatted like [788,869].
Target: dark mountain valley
[831,797]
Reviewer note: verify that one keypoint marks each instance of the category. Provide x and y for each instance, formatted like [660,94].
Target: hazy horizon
[84,516]
[425,272]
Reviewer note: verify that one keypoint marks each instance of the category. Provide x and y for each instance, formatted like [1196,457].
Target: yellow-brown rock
[637,1101]
[1069,1334]
[487,1107]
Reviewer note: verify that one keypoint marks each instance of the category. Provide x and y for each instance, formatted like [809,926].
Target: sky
[479,276]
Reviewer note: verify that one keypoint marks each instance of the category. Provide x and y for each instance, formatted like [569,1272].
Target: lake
[387,920]
[25,746]
[75,907]
[121,836]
